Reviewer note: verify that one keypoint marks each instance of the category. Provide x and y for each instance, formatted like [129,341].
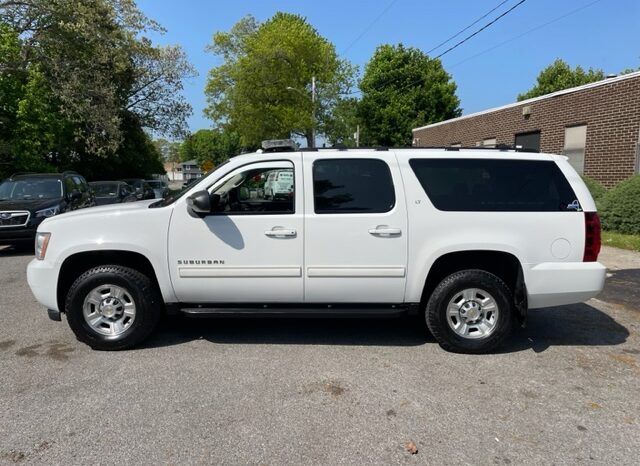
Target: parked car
[112,192]
[468,239]
[27,199]
[160,188]
[141,188]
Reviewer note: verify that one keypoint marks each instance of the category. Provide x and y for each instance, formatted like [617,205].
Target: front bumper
[560,283]
[42,277]
[21,234]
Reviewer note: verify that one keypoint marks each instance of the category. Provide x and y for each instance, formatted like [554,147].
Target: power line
[377,18]
[525,33]
[482,28]
[509,40]
[469,26]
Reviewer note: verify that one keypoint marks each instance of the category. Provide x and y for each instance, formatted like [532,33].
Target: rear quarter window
[489,185]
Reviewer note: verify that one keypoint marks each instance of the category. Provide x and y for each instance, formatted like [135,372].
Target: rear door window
[495,185]
[352,186]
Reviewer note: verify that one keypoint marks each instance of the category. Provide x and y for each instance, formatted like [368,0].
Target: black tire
[436,311]
[143,291]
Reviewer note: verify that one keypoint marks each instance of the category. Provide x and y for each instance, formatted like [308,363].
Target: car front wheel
[470,311]
[112,307]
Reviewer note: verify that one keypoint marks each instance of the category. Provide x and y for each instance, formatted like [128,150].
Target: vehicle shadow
[574,325]
[20,250]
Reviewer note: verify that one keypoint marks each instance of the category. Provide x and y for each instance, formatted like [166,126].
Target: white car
[468,239]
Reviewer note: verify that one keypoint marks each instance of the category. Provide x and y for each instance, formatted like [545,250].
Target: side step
[296,310]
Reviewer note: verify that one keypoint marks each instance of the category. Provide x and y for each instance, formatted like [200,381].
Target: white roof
[571,90]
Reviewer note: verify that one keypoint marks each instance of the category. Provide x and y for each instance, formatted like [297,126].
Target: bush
[595,188]
[620,207]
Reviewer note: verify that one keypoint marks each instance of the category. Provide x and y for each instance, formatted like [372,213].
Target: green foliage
[77,78]
[206,145]
[136,157]
[595,188]
[559,76]
[620,240]
[619,208]
[169,150]
[343,123]
[263,88]
[403,88]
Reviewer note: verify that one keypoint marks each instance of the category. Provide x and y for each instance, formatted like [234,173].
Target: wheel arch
[504,265]
[78,263]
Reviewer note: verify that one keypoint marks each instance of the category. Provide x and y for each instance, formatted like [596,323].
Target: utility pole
[357,135]
[313,111]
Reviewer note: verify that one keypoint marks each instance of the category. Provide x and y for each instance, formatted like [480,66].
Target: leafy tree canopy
[402,88]
[262,90]
[214,146]
[74,74]
[558,76]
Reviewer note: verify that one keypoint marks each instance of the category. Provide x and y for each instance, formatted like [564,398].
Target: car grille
[14,218]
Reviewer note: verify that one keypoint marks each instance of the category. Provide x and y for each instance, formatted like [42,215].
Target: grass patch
[621,240]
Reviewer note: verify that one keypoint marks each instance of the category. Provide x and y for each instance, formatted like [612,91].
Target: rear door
[355,229]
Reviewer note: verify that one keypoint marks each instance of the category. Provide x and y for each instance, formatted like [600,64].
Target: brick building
[596,125]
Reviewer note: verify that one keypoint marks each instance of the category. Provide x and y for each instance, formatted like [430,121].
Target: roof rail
[22,174]
[70,172]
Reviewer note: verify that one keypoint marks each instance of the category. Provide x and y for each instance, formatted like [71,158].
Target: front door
[355,229]
[248,251]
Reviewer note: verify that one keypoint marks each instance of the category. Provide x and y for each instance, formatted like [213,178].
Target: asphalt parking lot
[564,390]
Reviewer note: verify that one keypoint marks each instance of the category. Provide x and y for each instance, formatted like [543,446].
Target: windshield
[31,189]
[105,189]
[173,197]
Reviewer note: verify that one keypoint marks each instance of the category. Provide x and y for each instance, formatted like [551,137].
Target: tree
[169,150]
[559,76]
[343,122]
[263,88]
[403,88]
[206,145]
[98,65]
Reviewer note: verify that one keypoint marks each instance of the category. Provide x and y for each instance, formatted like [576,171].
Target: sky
[490,69]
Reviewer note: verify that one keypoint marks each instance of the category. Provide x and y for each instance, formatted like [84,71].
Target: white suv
[468,239]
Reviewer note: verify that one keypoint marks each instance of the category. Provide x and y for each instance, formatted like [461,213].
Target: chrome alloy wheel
[109,310]
[472,313]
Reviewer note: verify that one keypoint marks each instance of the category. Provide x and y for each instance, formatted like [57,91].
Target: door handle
[280,233]
[383,230]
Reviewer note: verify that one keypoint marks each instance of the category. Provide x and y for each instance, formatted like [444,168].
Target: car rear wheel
[470,311]
[111,307]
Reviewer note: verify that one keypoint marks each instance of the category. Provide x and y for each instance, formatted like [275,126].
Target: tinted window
[31,188]
[494,185]
[352,186]
[105,189]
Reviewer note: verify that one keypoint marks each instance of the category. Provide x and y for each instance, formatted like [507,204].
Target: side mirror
[200,203]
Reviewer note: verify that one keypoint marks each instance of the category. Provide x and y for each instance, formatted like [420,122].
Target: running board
[279,310]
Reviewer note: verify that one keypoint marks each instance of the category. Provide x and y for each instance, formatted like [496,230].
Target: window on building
[529,141]
[361,186]
[467,185]
[490,142]
[575,141]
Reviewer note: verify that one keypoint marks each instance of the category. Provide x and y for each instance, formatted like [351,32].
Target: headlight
[42,242]
[48,212]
